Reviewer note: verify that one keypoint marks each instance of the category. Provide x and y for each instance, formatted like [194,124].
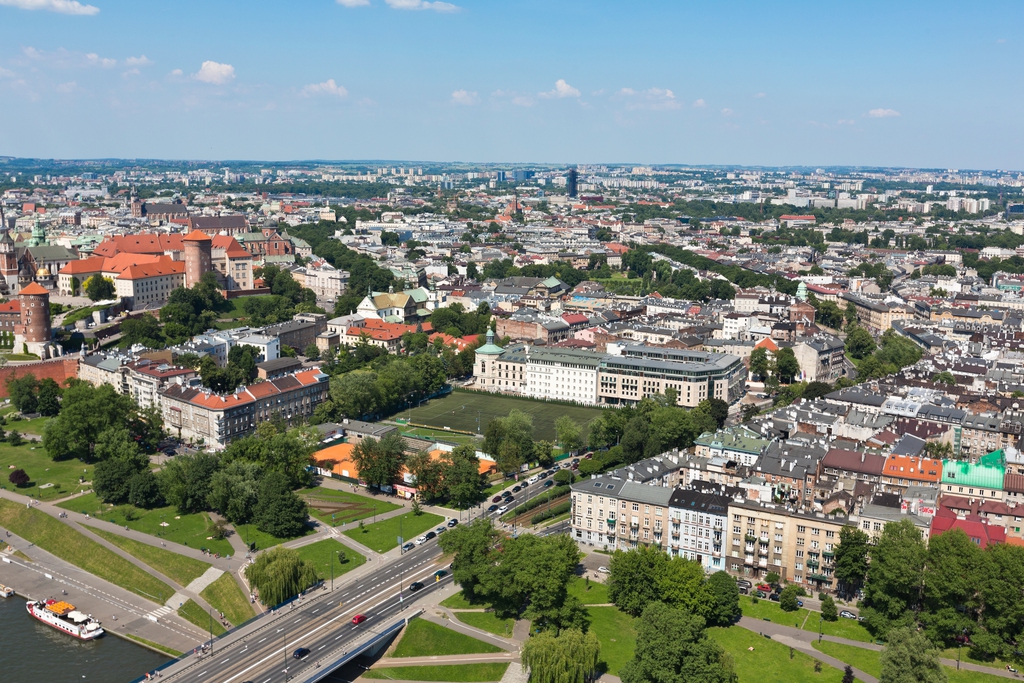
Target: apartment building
[877,316]
[697,524]
[145,378]
[641,371]
[821,358]
[616,514]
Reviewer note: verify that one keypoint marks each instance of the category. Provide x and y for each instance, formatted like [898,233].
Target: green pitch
[459,410]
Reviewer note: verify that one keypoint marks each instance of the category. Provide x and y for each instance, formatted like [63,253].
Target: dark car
[510,499]
[506,495]
[543,475]
[430,535]
[774,597]
[517,489]
[440,574]
[415,586]
[492,508]
[548,483]
[496,499]
[452,522]
[300,653]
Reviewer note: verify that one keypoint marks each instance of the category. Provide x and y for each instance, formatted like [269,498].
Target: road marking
[321,647]
[260,641]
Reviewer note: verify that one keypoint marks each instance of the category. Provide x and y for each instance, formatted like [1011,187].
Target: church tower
[8,260]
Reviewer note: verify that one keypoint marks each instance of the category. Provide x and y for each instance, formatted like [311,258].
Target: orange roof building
[344,465]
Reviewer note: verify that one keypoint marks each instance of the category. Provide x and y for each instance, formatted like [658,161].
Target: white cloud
[353,3]
[883,113]
[5,73]
[422,4]
[523,101]
[727,112]
[70,86]
[652,98]
[562,89]
[759,96]
[141,60]
[214,72]
[95,59]
[699,104]
[177,72]
[328,87]
[845,122]
[465,97]
[59,6]
[131,72]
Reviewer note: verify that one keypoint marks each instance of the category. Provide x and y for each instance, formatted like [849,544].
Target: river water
[31,652]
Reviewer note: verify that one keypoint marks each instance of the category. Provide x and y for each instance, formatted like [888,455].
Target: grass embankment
[427,639]
[486,621]
[843,628]
[450,673]
[191,611]
[192,530]
[48,479]
[180,569]
[589,592]
[250,534]
[617,634]
[382,536]
[460,410]
[155,646]
[323,555]
[338,508]
[69,545]
[757,659]
[766,609]
[226,596]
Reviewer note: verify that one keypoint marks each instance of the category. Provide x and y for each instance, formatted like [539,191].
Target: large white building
[543,372]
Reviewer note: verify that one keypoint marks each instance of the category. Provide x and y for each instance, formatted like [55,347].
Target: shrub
[18,477]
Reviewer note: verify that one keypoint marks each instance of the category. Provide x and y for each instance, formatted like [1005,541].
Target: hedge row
[559,509]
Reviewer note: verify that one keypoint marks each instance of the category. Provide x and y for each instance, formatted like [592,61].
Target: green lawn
[33,426]
[336,508]
[589,592]
[842,628]
[71,546]
[486,621]
[441,435]
[323,555]
[225,595]
[766,609]
[769,661]
[459,601]
[250,534]
[868,661]
[617,635]
[382,536]
[180,569]
[191,611]
[155,646]
[425,638]
[59,478]
[450,673]
[950,653]
[460,409]
[193,530]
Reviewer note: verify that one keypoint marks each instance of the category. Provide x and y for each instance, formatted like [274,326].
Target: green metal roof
[987,473]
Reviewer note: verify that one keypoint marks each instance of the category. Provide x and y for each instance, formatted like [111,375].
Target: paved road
[262,652]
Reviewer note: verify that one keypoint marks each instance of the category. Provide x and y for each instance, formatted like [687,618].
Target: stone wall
[58,369]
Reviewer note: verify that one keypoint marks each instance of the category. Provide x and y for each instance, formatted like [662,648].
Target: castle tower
[198,256]
[8,260]
[38,238]
[34,332]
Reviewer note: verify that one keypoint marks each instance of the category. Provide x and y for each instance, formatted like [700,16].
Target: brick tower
[8,260]
[198,256]
[34,332]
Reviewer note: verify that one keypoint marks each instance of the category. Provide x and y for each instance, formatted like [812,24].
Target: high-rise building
[572,183]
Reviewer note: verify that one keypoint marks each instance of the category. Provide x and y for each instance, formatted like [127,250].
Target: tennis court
[472,411]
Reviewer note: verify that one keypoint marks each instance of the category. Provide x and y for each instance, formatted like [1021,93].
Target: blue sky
[903,83]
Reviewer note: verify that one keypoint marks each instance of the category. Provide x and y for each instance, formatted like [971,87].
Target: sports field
[459,410]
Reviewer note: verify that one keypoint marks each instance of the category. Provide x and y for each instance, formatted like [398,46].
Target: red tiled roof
[145,270]
[230,246]
[13,306]
[141,243]
[32,289]
[196,236]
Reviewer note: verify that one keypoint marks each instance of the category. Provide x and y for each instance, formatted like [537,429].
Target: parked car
[506,494]
[510,500]
[358,619]
[799,603]
[415,586]
[517,489]
[440,573]
[743,582]
[492,508]
[744,590]
[440,530]
[300,653]
[429,535]
[548,483]
[496,499]
[543,475]
[847,614]
[452,522]
[503,509]
[603,570]
[421,540]
[408,546]
[774,597]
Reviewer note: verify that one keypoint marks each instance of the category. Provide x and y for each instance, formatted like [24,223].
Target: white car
[534,479]
[421,540]
[603,570]
[503,509]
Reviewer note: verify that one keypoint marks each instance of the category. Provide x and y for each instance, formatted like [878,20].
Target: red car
[496,499]
[358,619]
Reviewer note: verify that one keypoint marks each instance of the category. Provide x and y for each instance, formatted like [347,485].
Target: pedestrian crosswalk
[159,612]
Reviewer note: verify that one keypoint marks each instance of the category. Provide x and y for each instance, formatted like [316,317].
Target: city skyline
[801,85]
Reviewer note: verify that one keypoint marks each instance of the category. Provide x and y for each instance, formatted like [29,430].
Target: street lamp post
[819,629]
[959,644]
[211,631]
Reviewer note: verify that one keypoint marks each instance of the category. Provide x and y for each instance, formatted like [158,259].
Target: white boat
[6,591]
[64,617]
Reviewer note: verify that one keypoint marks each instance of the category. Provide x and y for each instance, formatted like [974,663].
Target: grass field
[441,435]
[33,426]
[382,536]
[191,530]
[766,609]
[769,661]
[225,595]
[589,593]
[425,639]
[191,611]
[486,621]
[459,410]
[868,661]
[617,635]
[250,534]
[459,601]
[60,479]
[322,553]
[71,546]
[843,628]
[178,568]
[450,673]
[338,508]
